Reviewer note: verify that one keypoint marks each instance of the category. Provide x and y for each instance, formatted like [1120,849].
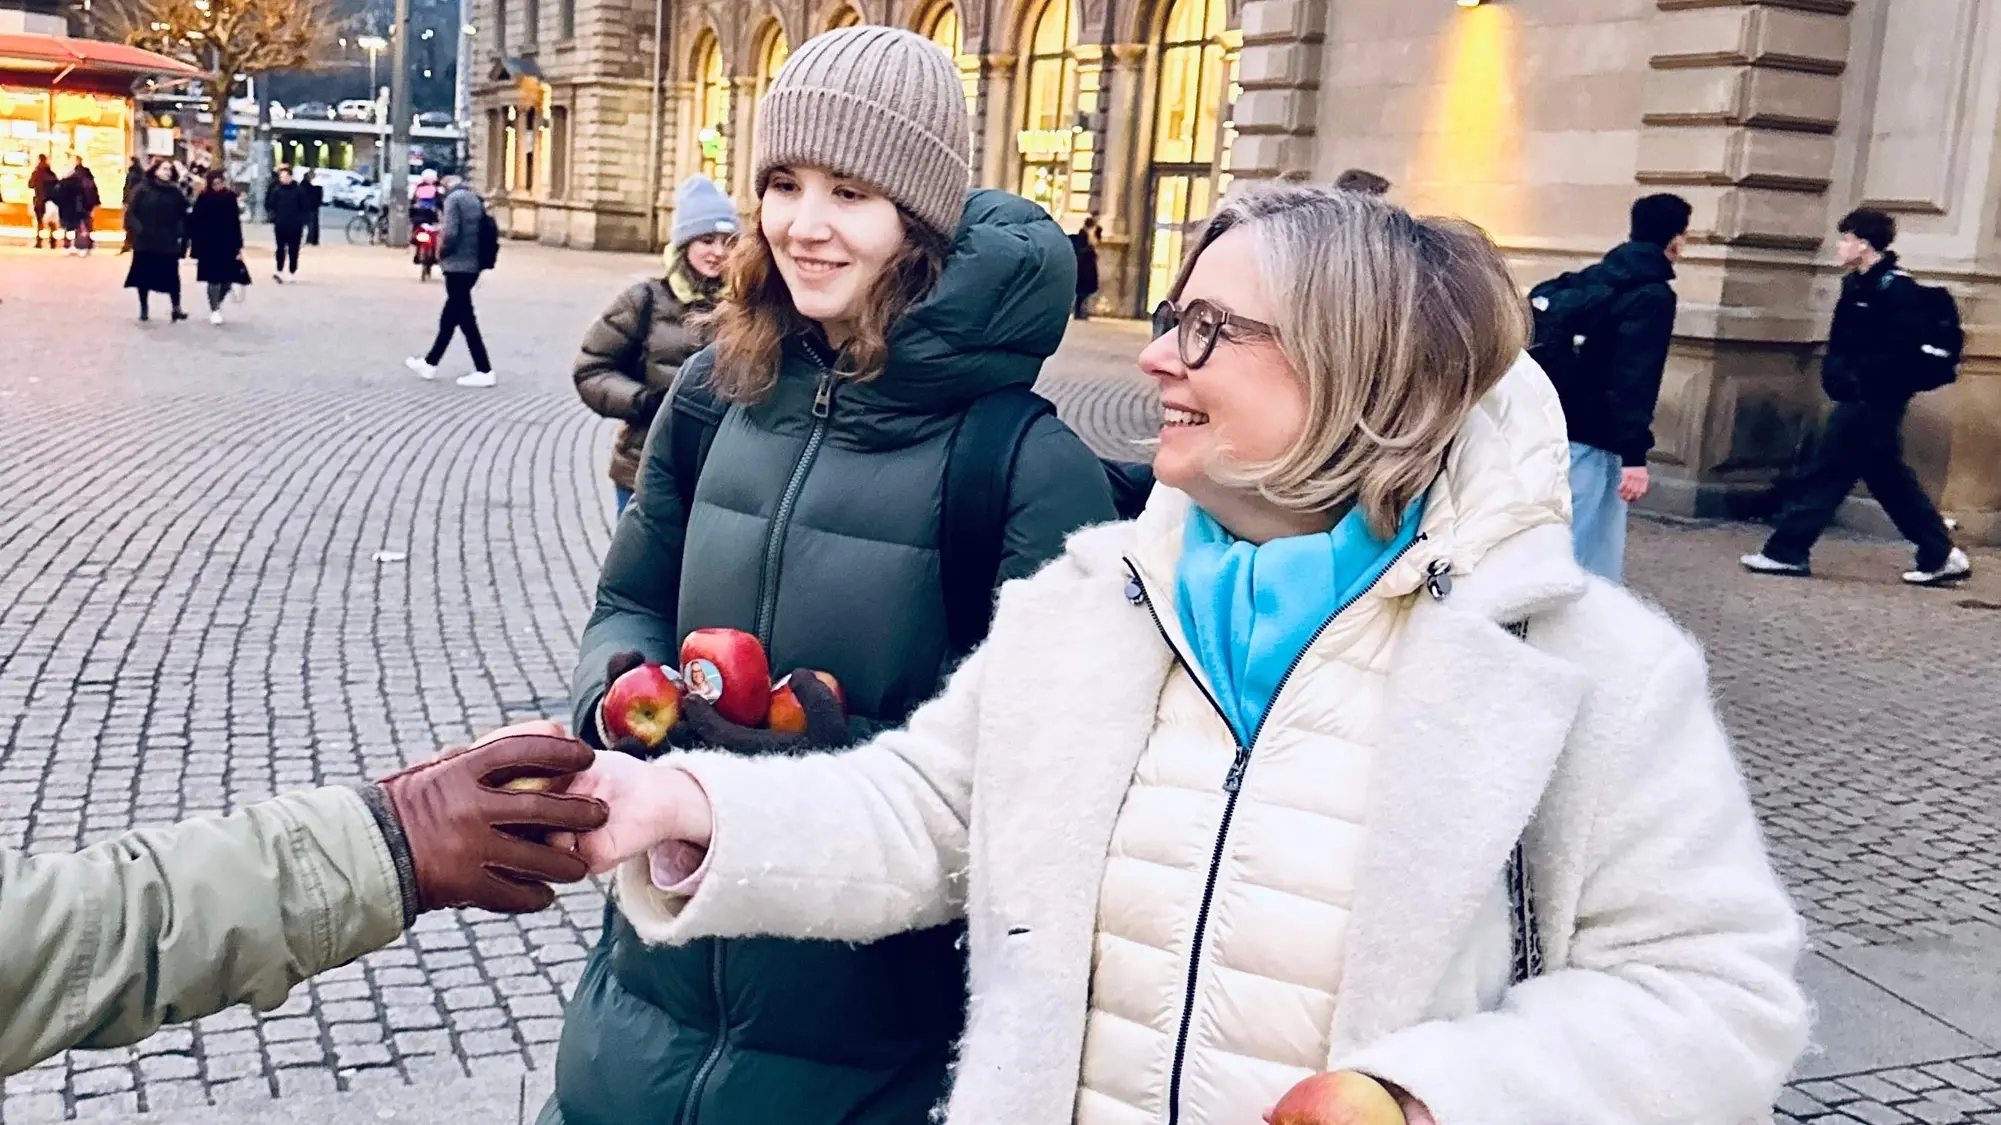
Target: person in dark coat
[816,525]
[316,198]
[1611,413]
[1870,351]
[288,205]
[42,182]
[77,201]
[155,225]
[215,239]
[1085,245]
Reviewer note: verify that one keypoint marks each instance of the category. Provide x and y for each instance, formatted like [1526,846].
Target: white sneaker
[423,370]
[215,317]
[1761,564]
[478,379]
[1957,568]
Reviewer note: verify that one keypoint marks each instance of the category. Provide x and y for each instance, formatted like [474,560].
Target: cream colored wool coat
[1669,992]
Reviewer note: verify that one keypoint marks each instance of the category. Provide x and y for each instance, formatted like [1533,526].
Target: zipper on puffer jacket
[715,1053]
[781,519]
[1438,581]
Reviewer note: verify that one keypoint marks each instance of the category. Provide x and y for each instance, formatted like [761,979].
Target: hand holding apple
[787,713]
[1343,1097]
[826,723]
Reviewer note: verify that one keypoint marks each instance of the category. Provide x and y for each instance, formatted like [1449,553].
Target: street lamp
[372,44]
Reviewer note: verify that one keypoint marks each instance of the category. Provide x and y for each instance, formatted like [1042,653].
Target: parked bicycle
[369,228]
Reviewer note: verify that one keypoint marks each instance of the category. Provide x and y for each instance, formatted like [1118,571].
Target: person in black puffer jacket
[1610,410]
[155,226]
[288,205]
[872,300]
[215,240]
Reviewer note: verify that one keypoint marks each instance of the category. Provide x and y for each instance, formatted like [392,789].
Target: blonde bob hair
[1396,327]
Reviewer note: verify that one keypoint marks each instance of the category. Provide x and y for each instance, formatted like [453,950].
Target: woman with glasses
[1333,763]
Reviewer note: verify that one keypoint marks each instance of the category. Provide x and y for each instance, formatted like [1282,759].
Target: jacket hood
[1508,474]
[1633,264]
[999,309]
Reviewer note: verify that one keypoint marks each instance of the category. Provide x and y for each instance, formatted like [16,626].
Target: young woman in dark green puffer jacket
[875,300]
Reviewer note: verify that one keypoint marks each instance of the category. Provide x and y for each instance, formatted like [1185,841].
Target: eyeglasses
[1200,323]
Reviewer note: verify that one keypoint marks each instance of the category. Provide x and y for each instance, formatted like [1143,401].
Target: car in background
[312,111]
[436,119]
[356,109]
[356,194]
[330,181]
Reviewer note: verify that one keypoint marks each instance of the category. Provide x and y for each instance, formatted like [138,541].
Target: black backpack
[489,241]
[1933,341]
[1572,312]
[978,468]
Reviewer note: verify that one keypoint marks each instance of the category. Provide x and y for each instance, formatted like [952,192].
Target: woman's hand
[649,805]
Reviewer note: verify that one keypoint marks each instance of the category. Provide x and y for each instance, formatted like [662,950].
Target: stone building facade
[1538,119]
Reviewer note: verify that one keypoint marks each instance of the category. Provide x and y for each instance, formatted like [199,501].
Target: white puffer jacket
[1065,795]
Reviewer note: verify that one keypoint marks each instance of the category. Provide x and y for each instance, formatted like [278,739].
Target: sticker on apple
[704,680]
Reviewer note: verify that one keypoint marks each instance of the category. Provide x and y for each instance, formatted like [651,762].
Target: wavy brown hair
[751,324]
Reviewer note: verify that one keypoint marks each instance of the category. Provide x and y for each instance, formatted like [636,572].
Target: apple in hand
[787,714]
[528,784]
[645,703]
[1341,1098]
[727,667]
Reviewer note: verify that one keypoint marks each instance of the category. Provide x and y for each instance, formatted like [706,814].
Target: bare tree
[230,38]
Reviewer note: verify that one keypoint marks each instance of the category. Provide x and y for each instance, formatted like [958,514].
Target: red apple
[1341,1098]
[645,703]
[727,667]
[786,713]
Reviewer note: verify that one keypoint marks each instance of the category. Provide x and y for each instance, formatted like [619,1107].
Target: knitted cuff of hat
[862,139]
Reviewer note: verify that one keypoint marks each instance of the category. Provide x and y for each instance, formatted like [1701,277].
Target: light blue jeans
[1597,515]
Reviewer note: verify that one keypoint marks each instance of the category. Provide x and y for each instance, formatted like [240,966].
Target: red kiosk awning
[59,55]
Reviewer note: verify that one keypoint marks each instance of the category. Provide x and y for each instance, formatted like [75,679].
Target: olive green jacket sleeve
[101,947]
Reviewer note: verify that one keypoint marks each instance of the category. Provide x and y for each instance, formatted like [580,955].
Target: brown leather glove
[469,842]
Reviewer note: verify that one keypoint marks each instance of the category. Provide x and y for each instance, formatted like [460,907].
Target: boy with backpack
[1601,335]
[1892,338]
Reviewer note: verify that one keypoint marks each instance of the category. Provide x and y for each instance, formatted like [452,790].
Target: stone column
[743,116]
[994,126]
[1279,71]
[1740,112]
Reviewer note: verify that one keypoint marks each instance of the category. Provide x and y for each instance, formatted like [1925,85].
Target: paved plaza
[236,561]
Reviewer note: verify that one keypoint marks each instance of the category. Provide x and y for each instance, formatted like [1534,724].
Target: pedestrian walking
[289,206]
[1333,765]
[1084,244]
[165,925]
[42,181]
[156,227]
[215,239]
[316,199]
[77,200]
[1880,354]
[1602,336]
[633,353]
[870,305]
[467,239]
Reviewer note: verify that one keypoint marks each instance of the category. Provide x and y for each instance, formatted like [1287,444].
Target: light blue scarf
[1249,610]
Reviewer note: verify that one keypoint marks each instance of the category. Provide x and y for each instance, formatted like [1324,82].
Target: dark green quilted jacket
[816,526]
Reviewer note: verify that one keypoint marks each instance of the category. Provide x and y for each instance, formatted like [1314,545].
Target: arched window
[843,16]
[712,110]
[1192,135]
[1049,106]
[772,51]
[941,26]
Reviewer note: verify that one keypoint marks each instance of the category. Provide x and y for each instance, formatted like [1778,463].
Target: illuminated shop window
[712,110]
[1049,107]
[1192,134]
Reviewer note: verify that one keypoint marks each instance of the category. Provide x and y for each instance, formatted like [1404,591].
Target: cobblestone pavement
[240,560]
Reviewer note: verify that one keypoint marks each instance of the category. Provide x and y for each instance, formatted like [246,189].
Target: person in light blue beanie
[632,354]
[701,210]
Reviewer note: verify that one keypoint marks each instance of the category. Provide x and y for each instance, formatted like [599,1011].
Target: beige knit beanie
[879,104]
